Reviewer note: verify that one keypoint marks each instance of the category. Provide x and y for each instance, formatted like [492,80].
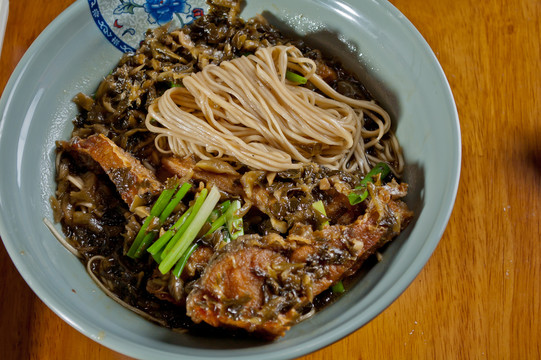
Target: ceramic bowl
[371,37]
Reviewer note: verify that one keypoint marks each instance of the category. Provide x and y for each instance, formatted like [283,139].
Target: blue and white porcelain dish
[124,22]
[84,43]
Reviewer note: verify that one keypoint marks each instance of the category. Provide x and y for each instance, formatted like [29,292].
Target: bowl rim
[119,344]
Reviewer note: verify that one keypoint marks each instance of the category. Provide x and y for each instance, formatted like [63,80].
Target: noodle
[246,109]
[60,238]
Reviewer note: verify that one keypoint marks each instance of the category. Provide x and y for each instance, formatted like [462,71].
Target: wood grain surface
[479,295]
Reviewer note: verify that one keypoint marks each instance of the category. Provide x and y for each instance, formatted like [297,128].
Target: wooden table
[478,296]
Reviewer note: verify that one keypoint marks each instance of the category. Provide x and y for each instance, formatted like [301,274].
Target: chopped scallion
[219,211]
[173,203]
[144,237]
[158,246]
[291,76]
[177,271]
[147,240]
[140,236]
[380,168]
[191,232]
[320,208]
[234,222]
[186,224]
[160,243]
[162,201]
[157,256]
[338,288]
[216,224]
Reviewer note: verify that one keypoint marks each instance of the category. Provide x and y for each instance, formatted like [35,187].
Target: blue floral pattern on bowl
[124,22]
[162,10]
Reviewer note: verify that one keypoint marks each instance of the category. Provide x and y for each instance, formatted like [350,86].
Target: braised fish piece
[133,181]
[186,167]
[263,284]
[287,200]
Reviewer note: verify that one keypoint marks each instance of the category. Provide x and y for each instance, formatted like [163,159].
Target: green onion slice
[234,222]
[191,232]
[179,267]
[291,76]
[320,208]
[338,288]
[186,224]
[173,203]
[380,168]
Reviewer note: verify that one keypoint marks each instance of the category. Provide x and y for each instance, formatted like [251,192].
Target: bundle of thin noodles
[246,109]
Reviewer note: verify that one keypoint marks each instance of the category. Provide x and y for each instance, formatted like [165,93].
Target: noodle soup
[225,176]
